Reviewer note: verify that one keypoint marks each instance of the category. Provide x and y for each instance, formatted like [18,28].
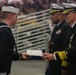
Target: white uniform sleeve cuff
[55,57]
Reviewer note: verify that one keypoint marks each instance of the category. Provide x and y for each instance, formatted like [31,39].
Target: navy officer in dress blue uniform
[7,41]
[57,38]
[69,53]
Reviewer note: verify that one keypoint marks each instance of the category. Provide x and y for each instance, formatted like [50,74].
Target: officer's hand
[25,56]
[48,56]
[44,55]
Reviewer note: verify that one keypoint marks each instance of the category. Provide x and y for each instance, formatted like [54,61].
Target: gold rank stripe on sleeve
[64,63]
[56,52]
[62,55]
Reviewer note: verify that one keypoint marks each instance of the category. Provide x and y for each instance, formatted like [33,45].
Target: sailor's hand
[25,56]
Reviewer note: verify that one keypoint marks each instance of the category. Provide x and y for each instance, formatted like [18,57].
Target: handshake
[46,56]
[31,53]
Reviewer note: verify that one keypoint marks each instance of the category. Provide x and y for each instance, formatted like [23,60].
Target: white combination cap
[55,8]
[69,7]
[10,9]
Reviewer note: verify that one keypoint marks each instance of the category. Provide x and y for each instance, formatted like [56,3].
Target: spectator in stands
[38,5]
[45,4]
[25,9]
[32,9]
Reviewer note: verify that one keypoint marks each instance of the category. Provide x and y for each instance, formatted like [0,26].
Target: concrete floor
[28,67]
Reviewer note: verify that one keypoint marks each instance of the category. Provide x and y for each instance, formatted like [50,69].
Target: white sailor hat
[10,9]
[56,8]
[69,7]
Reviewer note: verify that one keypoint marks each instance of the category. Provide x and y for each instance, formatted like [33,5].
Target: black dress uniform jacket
[6,49]
[56,43]
[70,51]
